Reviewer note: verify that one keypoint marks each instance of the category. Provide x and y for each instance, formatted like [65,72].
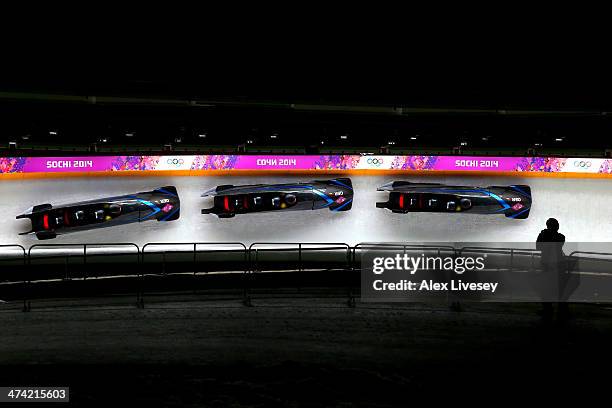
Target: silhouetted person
[550,242]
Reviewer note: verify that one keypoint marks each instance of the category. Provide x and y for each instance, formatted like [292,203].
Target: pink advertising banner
[348,163]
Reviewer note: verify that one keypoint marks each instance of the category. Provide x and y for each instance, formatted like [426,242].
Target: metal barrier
[311,261]
[295,257]
[14,246]
[394,246]
[574,257]
[513,252]
[302,247]
[194,264]
[572,254]
[251,258]
[187,258]
[13,261]
[52,269]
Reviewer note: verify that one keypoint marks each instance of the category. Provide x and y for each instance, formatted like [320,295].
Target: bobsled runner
[336,194]
[512,201]
[48,221]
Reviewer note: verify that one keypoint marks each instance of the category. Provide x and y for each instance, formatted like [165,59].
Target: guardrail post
[27,306]
[140,282]
[349,267]
[453,304]
[84,261]
[194,258]
[163,270]
[140,277]
[66,267]
[248,270]
[248,275]
[349,264]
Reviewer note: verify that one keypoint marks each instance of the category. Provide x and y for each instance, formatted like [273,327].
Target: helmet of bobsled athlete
[114,209]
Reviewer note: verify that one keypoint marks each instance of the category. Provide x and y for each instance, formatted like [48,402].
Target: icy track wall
[582,206]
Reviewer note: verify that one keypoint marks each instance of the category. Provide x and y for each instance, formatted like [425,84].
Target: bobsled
[405,197]
[335,194]
[48,221]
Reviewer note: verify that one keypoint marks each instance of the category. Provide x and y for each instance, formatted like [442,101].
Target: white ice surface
[582,206]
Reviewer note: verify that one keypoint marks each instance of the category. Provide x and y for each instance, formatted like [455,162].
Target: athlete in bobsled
[335,194]
[48,221]
[513,201]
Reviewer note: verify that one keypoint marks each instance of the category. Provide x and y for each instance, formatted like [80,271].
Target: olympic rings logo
[583,164]
[375,161]
[175,162]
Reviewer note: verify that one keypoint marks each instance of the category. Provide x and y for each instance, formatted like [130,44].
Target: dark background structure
[496,113]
